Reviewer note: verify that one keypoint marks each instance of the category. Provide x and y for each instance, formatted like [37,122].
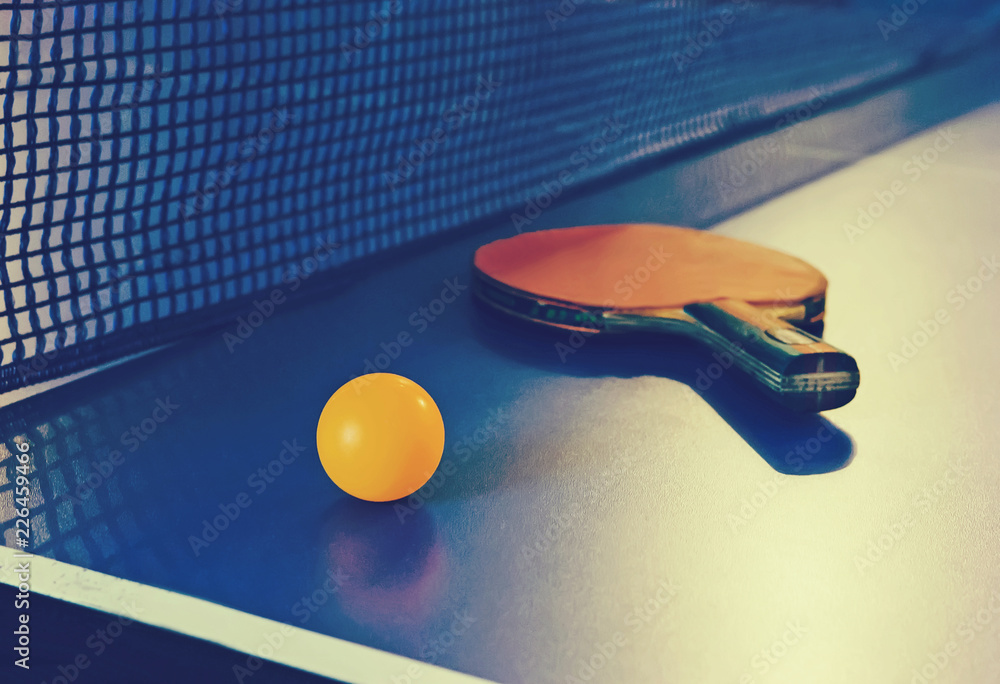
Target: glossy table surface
[603,513]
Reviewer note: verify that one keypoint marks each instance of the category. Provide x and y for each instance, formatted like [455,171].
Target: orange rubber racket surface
[646,266]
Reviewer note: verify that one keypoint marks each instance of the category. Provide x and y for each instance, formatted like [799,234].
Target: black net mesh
[165,164]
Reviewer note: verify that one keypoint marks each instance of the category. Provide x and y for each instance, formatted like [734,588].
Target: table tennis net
[164,165]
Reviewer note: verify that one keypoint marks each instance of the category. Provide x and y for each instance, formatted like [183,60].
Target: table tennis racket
[735,297]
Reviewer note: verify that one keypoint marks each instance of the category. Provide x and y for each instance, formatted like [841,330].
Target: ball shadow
[393,564]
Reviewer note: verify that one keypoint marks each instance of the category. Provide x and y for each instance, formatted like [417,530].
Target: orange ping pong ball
[380,437]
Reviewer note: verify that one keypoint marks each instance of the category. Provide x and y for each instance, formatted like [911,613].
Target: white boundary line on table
[302,649]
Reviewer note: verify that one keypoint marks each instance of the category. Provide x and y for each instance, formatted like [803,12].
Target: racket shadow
[791,443]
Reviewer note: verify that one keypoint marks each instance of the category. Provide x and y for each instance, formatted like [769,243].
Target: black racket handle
[792,367]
